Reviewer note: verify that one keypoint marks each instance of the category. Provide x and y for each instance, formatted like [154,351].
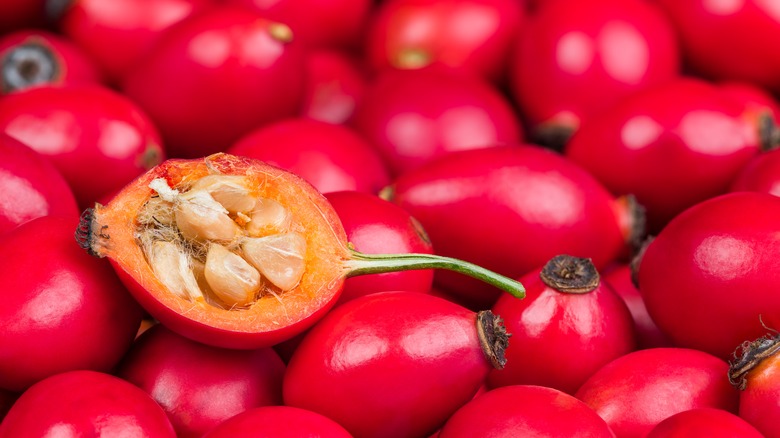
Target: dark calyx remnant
[570,274]
[27,65]
[86,234]
[492,337]
[748,355]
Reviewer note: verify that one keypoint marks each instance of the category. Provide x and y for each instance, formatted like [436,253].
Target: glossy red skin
[336,24]
[85,403]
[415,116]
[471,36]
[539,204]
[717,264]
[709,422]
[331,157]
[635,392]
[31,186]
[200,386]
[574,59]
[618,277]
[671,146]
[335,85]
[117,34]
[72,63]
[18,14]
[560,339]
[279,422]
[761,174]
[377,226]
[67,310]
[388,364]
[215,77]
[726,40]
[525,410]
[97,138]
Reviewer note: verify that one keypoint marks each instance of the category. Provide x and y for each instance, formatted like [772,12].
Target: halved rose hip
[236,253]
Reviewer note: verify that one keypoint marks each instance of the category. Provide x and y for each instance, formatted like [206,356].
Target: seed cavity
[219,242]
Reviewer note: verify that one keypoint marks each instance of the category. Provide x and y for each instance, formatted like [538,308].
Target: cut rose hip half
[236,253]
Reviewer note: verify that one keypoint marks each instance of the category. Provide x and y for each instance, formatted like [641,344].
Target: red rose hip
[635,392]
[671,146]
[97,138]
[85,403]
[538,203]
[717,262]
[185,378]
[215,77]
[393,364]
[568,326]
[64,310]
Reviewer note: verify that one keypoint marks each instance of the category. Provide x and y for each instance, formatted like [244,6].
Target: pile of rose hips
[270,188]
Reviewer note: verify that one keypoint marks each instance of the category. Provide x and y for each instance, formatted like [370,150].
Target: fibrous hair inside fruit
[218,242]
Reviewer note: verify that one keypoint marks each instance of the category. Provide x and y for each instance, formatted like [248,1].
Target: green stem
[361,264]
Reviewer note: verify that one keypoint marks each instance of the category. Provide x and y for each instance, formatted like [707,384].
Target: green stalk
[361,264]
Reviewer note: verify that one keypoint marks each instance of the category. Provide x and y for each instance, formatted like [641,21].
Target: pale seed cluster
[216,242]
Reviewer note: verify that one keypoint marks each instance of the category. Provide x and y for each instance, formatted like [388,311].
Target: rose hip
[85,403]
[525,410]
[569,316]
[377,226]
[726,40]
[331,157]
[63,310]
[473,36]
[186,377]
[415,116]
[717,263]
[279,422]
[35,57]
[671,146]
[215,77]
[31,186]
[635,392]
[118,34]
[393,364]
[575,59]
[538,203]
[97,138]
